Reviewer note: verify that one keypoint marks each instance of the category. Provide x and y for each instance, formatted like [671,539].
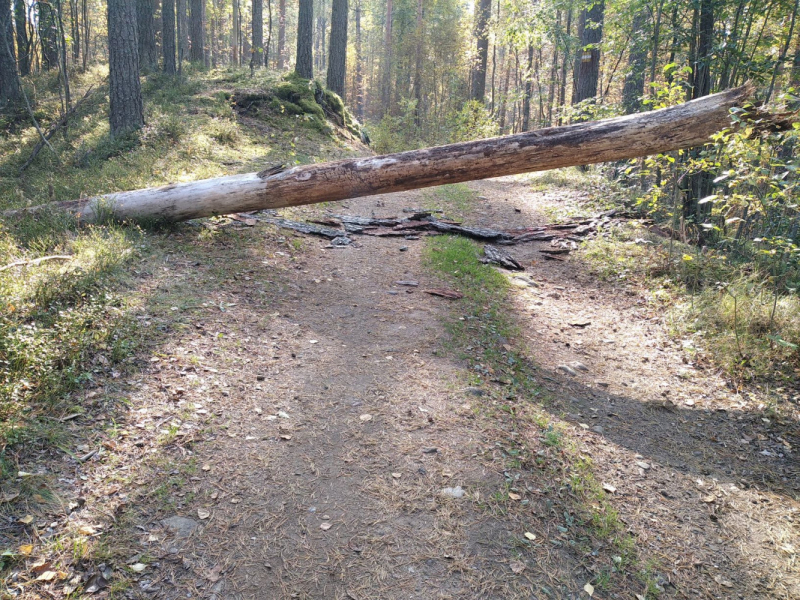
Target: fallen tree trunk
[677,127]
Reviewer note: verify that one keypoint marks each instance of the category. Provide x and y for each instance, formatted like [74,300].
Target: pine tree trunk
[87,28]
[23,43]
[235,33]
[587,63]
[526,100]
[146,32]
[168,35]
[420,38]
[562,88]
[359,66]
[257,55]
[304,67]
[125,90]
[48,35]
[386,83]
[633,89]
[182,27]
[197,20]
[281,35]
[75,27]
[701,83]
[10,92]
[483,11]
[337,58]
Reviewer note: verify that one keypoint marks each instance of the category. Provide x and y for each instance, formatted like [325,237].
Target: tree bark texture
[337,57]
[10,92]
[587,62]
[359,66]
[526,100]
[257,55]
[281,35]
[168,35]
[701,80]
[48,35]
[197,21]
[123,68]
[182,28]
[236,20]
[146,33]
[483,10]
[23,43]
[633,90]
[630,136]
[305,40]
[388,41]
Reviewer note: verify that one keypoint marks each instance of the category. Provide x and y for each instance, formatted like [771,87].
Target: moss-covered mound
[303,98]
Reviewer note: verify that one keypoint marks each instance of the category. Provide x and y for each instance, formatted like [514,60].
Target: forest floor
[257,414]
[301,423]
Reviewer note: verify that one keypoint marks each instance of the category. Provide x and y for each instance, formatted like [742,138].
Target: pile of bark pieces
[563,237]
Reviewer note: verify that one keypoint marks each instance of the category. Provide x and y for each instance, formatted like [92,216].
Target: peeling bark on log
[631,136]
[500,257]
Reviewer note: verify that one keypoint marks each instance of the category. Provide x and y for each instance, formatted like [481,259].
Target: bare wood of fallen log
[683,126]
[494,255]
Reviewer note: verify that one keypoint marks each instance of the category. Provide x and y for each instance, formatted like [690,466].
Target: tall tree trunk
[75,30]
[23,42]
[418,41]
[337,57]
[48,35]
[504,97]
[483,10]
[182,27]
[551,93]
[257,52]
[62,63]
[587,62]
[235,33]
[701,80]
[268,47]
[304,67]
[526,99]
[146,32]
[359,67]
[197,21]
[562,88]
[10,91]
[87,30]
[386,84]
[125,91]
[281,35]
[656,41]
[168,35]
[633,89]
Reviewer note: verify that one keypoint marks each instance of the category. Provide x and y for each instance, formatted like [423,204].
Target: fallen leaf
[286,437]
[530,536]
[366,417]
[325,526]
[86,530]
[589,589]
[26,549]
[514,496]
[47,576]
[202,513]
[517,566]
[138,567]
[206,467]
[9,496]
[609,488]
[26,520]
[397,475]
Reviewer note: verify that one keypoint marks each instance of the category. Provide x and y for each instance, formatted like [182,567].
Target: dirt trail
[310,422]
